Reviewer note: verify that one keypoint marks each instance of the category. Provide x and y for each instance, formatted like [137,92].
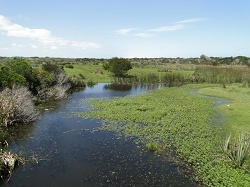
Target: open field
[96,73]
[93,73]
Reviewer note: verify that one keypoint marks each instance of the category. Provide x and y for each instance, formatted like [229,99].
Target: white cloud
[17,45]
[53,47]
[179,25]
[167,28]
[125,31]
[33,46]
[192,20]
[143,34]
[42,35]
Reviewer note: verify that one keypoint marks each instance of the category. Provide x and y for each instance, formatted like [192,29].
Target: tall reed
[237,149]
[170,79]
[222,74]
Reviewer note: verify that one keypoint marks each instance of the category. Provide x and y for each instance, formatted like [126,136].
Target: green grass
[172,117]
[238,112]
[157,71]
[93,73]
[96,73]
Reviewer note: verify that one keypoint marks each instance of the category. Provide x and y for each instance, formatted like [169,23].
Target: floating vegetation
[171,117]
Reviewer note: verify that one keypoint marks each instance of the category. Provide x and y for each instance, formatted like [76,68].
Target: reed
[222,74]
[169,79]
[237,149]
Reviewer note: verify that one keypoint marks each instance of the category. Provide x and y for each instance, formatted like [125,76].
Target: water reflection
[118,87]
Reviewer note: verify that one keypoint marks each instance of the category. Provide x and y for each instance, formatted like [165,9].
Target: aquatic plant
[237,149]
[169,117]
[152,146]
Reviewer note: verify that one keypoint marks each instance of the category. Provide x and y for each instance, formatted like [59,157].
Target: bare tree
[16,106]
[59,90]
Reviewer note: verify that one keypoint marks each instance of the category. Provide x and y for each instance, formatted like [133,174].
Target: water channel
[70,152]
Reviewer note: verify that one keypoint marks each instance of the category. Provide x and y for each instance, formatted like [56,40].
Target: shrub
[50,67]
[82,76]
[69,66]
[16,106]
[58,90]
[8,78]
[118,66]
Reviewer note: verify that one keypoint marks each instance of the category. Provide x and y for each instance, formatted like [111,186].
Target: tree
[24,69]
[51,67]
[118,66]
[8,78]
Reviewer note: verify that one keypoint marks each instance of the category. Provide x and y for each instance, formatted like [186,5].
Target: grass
[92,73]
[170,118]
[237,113]
[95,73]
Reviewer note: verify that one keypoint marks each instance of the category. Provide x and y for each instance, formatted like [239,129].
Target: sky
[124,28]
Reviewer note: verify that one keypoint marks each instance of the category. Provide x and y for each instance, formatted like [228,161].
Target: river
[70,152]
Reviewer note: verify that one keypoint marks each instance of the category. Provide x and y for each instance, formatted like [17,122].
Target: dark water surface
[70,152]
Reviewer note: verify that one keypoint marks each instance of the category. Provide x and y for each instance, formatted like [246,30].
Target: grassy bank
[172,117]
[237,113]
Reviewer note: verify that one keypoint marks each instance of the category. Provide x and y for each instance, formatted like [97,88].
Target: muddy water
[70,152]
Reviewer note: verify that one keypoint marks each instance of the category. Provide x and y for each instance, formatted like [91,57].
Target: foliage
[51,67]
[59,88]
[76,82]
[49,82]
[22,68]
[16,106]
[169,118]
[118,66]
[69,66]
[8,78]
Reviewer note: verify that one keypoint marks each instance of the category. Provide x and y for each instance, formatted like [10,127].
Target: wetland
[72,151]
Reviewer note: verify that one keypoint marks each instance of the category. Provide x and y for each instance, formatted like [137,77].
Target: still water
[70,152]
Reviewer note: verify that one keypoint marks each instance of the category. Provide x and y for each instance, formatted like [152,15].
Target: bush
[16,106]
[69,66]
[8,78]
[58,90]
[118,66]
[52,68]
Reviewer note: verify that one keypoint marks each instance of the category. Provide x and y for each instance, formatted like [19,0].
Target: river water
[70,152]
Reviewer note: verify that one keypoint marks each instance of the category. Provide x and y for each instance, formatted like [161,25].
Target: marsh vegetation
[170,122]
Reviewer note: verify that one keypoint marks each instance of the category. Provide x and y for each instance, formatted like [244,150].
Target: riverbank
[173,118]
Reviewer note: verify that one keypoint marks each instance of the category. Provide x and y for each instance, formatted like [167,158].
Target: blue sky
[124,28]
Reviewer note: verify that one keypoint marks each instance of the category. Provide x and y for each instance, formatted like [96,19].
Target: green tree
[23,68]
[9,77]
[118,66]
[52,67]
